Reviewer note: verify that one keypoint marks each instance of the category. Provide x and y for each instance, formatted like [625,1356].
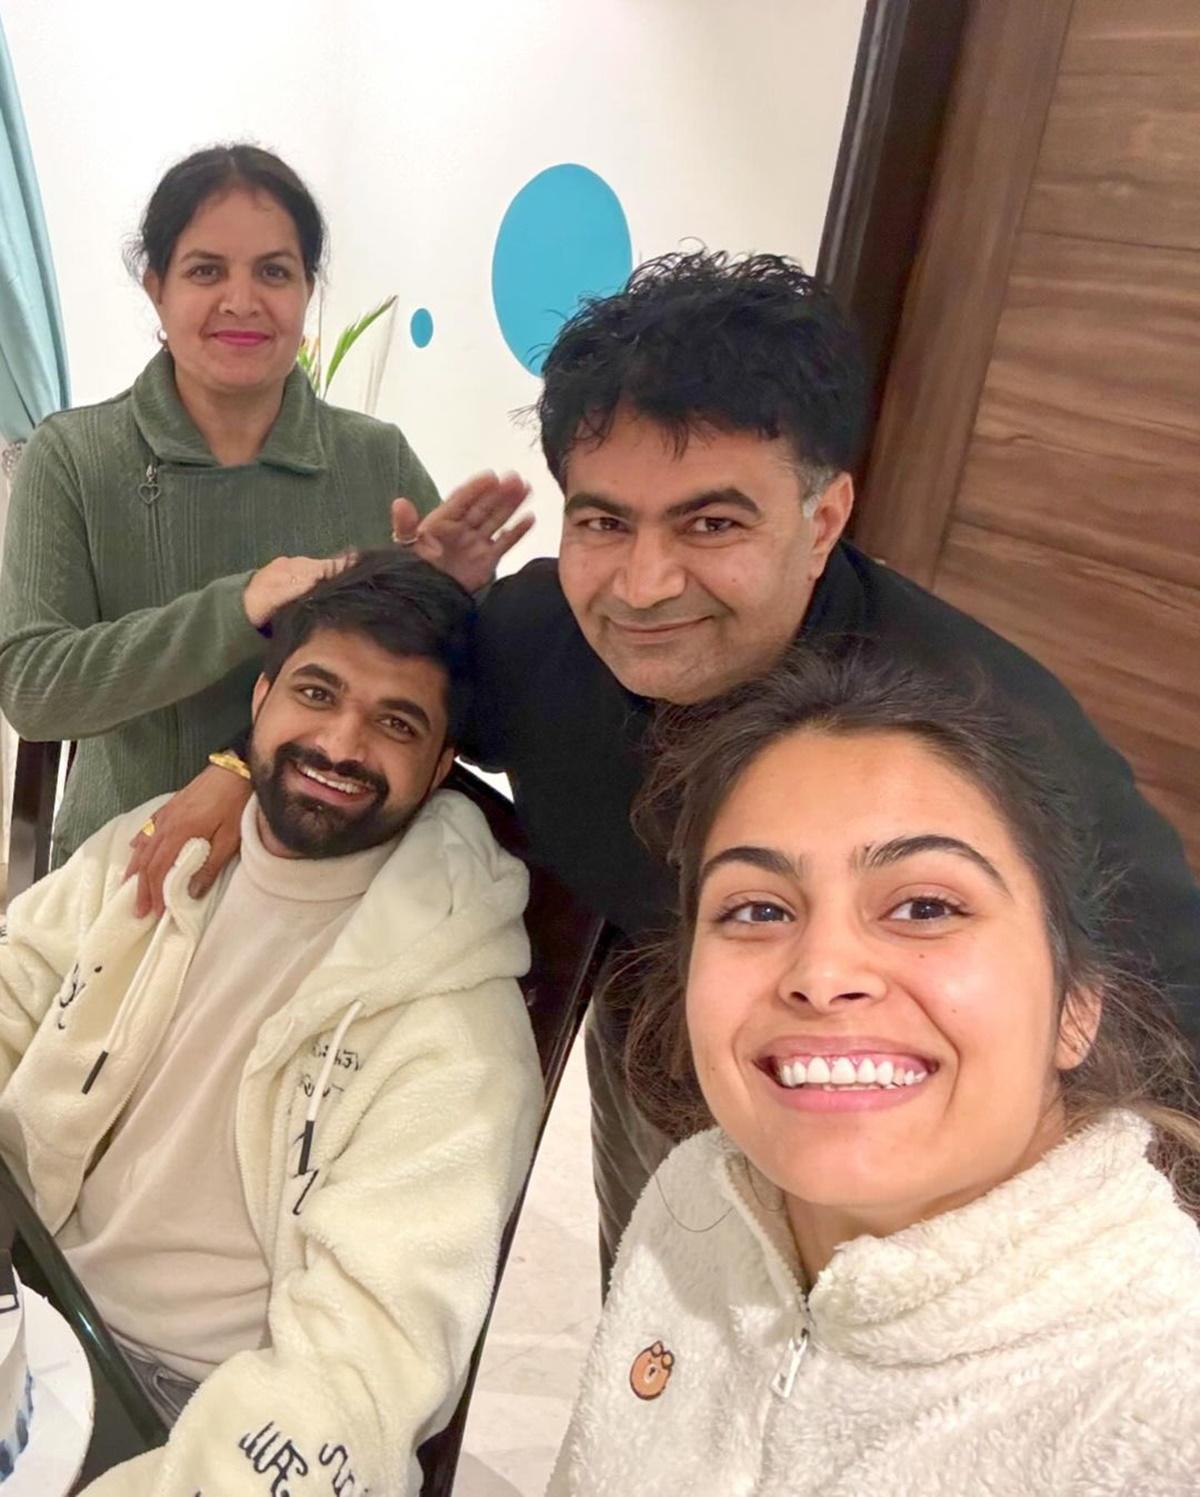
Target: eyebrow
[731,497]
[881,855]
[769,859]
[388,704]
[886,853]
[320,672]
[276,254]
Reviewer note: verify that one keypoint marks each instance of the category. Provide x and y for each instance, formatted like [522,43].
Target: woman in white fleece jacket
[931,1247]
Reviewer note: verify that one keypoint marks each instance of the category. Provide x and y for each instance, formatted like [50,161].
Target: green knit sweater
[127,551]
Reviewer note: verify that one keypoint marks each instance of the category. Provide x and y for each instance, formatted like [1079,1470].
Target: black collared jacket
[570,737]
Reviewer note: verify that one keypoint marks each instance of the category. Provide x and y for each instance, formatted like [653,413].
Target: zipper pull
[149,489]
[785,1379]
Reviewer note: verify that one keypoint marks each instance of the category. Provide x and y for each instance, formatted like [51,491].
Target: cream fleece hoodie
[382,1248]
[1043,1341]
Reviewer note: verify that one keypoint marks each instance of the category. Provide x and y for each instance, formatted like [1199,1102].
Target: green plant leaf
[351,335]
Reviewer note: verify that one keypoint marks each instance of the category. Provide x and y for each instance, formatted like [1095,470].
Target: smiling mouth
[241,340]
[339,785]
[654,631]
[848,1073]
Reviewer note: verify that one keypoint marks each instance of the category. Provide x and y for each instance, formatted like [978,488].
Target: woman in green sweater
[152,536]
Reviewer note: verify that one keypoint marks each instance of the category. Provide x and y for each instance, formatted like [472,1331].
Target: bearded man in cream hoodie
[278,1131]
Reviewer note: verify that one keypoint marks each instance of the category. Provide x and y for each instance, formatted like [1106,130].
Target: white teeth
[843,1072]
[348,787]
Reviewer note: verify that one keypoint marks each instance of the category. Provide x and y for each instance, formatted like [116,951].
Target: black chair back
[569,949]
[32,814]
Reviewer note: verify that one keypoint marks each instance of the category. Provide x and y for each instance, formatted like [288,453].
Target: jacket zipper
[789,1367]
[150,492]
[148,489]
[781,1385]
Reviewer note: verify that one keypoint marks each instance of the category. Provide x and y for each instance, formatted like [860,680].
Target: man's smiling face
[690,570]
[349,741]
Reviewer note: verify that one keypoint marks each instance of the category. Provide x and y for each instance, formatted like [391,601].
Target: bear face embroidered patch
[651,1371]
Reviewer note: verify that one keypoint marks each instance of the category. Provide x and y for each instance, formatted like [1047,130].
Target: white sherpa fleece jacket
[1043,1341]
[382,1252]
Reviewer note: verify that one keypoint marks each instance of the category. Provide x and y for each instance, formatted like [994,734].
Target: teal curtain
[33,358]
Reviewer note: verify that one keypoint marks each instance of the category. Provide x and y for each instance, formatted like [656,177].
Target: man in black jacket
[702,424]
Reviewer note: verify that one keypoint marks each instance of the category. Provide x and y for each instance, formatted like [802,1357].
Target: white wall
[416,125]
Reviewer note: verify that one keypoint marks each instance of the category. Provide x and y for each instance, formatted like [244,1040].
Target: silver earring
[162,337]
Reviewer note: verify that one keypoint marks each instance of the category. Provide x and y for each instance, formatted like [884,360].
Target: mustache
[348,769]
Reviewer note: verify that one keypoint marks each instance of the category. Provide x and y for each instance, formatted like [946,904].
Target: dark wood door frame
[907,59]
[958,282]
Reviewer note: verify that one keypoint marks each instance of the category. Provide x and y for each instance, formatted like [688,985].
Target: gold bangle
[227,759]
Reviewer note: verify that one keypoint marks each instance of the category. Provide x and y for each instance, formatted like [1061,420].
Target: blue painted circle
[421,327]
[563,237]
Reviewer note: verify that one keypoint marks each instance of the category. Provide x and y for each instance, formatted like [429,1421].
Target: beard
[313,828]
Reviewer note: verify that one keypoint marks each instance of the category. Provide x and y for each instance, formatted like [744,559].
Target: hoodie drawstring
[132,997]
[314,1103]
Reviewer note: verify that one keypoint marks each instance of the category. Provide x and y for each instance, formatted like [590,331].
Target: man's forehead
[353,662]
[640,459]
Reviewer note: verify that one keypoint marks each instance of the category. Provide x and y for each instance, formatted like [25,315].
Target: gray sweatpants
[168,1391]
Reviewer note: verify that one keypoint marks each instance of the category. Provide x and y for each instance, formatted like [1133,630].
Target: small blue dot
[563,237]
[421,327]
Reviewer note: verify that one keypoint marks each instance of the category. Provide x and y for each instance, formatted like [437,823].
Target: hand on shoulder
[210,806]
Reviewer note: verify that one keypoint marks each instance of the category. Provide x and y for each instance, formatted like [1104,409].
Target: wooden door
[1037,456]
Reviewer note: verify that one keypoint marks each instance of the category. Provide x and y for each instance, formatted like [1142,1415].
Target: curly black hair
[707,339]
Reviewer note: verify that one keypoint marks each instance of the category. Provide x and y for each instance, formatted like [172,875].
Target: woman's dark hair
[191,182]
[403,605]
[1137,1060]
[704,339]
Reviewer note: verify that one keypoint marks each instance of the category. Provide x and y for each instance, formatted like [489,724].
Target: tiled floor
[545,1315]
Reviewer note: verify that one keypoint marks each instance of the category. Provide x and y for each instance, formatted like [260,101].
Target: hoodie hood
[449,897]
[451,903]
[448,903]
[461,891]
